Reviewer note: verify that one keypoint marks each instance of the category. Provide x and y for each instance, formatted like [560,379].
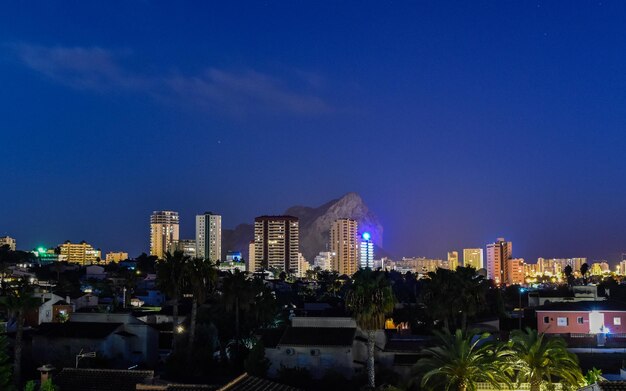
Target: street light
[521,310]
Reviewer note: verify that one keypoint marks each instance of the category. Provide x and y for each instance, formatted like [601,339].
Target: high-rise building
[303,266]
[209,236]
[7,240]
[81,253]
[498,254]
[366,251]
[163,231]
[344,244]
[187,246]
[250,265]
[276,242]
[324,260]
[116,257]
[515,271]
[473,257]
[453,260]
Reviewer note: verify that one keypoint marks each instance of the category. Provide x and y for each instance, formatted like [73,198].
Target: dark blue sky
[456,121]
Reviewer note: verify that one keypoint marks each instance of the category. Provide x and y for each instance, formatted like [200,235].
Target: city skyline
[449,115]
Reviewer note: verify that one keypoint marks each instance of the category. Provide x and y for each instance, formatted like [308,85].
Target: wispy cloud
[242,92]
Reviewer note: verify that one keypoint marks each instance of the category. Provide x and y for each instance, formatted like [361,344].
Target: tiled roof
[246,382]
[612,385]
[92,330]
[608,305]
[318,336]
[70,379]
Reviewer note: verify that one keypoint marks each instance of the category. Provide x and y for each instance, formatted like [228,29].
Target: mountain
[314,226]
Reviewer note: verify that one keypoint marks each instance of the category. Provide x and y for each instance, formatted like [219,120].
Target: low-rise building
[116,257]
[7,241]
[583,317]
[81,253]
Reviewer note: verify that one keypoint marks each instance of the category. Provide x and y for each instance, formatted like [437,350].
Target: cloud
[243,92]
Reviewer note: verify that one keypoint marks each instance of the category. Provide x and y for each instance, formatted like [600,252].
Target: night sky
[457,122]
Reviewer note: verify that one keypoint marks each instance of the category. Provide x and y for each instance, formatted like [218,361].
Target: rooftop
[71,379]
[608,305]
[91,330]
[318,336]
[246,382]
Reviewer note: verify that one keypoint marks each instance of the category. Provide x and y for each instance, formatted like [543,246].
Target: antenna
[84,355]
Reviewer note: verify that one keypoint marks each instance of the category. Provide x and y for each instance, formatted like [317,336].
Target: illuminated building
[276,242]
[250,265]
[453,260]
[598,268]
[366,251]
[116,257]
[324,260]
[233,256]
[163,231]
[46,256]
[81,253]
[473,257]
[498,254]
[187,246]
[344,244]
[7,240]
[515,271]
[555,266]
[209,236]
[303,266]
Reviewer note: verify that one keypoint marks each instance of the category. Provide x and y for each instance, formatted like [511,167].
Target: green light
[41,250]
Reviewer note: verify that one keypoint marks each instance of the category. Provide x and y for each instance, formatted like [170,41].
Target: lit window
[617,321]
[561,321]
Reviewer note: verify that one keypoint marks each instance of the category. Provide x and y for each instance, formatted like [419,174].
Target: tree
[6,379]
[584,269]
[439,295]
[170,273]
[237,296]
[593,375]
[567,270]
[202,276]
[18,301]
[470,288]
[544,359]
[256,364]
[464,359]
[370,299]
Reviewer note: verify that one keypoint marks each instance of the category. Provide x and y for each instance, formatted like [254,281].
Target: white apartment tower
[473,257]
[276,242]
[209,236]
[164,225]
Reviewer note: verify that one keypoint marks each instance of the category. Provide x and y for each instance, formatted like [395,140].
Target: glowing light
[366,236]
[41,250]
[180,329]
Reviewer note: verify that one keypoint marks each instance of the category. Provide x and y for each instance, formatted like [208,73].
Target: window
[579,320]
[617,321]
[546,319]
[561,321]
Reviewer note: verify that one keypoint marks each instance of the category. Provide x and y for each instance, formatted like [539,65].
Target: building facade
[8,241]
[473,257]
[209,236]
[187,246]
[344,244]
[276,242]
[324,260]
[515,271]
[164,230]
[453,260]
[498,254]
[81,253]
[116,257]
[366,251]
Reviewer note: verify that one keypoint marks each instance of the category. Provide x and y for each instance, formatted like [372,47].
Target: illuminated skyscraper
[163,231]
[344,245]
[250,265]
[453,260]
[366,252]
[498,254]
[276,242]
[209,236]
[473,257]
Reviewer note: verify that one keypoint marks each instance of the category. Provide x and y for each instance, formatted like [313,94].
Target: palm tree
[202,276]
[440,297]
[464,359]
[370,299]
[544,359]
[170,273]
[584,269]
[471,291]
[237,296]
[18,301]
